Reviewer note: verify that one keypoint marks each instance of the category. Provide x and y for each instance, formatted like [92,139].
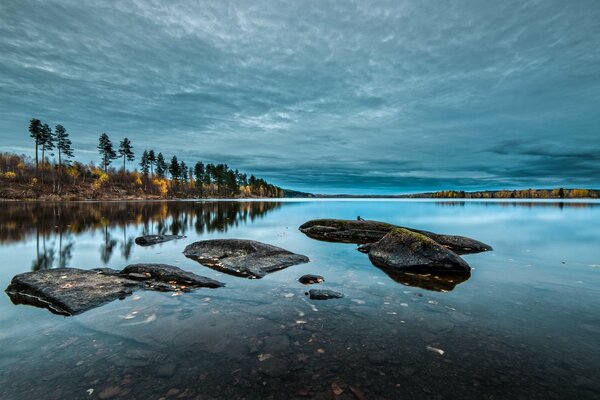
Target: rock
[169,273]
[365,248]
[366,232]
[71,291]
[276,344]
[246,258]
[412,251]
[166,370]
[310,279]
[273,367]
[109,392]
[149,240]
[67,291]
[323,294]
[376,358]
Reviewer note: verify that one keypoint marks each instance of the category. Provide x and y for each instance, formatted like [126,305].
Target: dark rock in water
[412,251]
[346,231]
[247,258]
[71,291]
[149,240]
[168,274]
[68,291]
[310,279]
[438,282]
[323,294]
[365,248]
[365,232]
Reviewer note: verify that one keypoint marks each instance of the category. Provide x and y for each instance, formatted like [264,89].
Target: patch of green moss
[410,235]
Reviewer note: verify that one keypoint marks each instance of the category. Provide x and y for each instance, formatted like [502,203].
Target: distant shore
[556,194]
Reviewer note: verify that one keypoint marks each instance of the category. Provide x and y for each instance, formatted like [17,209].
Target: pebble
[109,392]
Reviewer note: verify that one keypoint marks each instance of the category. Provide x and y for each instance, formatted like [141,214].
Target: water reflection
[518,204]
[433,282]
[55,224]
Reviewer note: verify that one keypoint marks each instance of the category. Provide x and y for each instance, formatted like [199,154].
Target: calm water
[525,325]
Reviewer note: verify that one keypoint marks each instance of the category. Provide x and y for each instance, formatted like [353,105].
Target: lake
[525,325]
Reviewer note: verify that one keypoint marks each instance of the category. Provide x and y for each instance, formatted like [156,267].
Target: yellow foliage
[137,178]
[162,185]
[578,193]
[72,172]
[10,175]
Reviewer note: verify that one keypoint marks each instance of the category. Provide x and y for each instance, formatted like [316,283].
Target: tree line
[156,176]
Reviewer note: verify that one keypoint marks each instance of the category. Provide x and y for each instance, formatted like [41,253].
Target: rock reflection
[436,282]
[54,225]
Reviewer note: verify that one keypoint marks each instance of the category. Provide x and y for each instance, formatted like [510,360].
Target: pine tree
[63,144]
[151,161]
[174,169]
[199,174]
[35,132]
[105,148]
[145,163]
[126,151]
[46,141]
[161,166]
[183,172]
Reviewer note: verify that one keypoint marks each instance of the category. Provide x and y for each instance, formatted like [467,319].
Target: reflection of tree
[45,258]
[126,244]
[57,224]
[107,248]
[65,253]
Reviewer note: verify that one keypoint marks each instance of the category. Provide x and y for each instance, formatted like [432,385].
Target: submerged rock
[71,291]
[366,232]
[247,258]
[310,279]
[408,250]
[324,294]
[149,240]
[169,273]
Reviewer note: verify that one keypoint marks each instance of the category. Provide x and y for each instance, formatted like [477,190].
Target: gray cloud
[357,96]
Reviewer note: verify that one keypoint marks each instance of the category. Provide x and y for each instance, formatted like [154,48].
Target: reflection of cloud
[341,96]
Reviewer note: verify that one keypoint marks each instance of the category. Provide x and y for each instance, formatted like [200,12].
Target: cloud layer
[323,96]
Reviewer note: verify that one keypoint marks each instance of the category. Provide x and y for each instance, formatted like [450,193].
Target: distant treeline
[53,174]
[559,193]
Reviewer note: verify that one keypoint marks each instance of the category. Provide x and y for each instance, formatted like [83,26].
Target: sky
[319,96]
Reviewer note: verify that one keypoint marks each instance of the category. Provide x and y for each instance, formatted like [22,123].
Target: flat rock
[412,251]
[311,279]
[239,257]
[149,240]
[71,291]
[324,294]
[68,291]
[367,232]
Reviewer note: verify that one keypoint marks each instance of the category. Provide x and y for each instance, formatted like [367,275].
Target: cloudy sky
[322,96]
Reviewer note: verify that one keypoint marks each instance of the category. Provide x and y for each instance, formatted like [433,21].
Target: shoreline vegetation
[55,177]
[523,194]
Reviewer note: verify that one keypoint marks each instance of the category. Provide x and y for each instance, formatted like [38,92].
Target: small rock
[109,392]
[149,240]
[324,294]
[310,279]
[166,370]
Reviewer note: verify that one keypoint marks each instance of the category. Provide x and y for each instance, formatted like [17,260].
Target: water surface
[524,325]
